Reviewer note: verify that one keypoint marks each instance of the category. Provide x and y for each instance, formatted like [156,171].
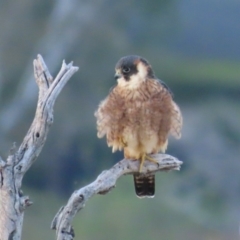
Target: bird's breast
[139,133]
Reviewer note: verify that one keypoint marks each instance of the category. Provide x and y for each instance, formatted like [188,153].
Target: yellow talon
[141,162]
[143,158]
[151,159]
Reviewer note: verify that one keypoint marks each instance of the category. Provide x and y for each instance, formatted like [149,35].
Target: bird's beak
[117,75]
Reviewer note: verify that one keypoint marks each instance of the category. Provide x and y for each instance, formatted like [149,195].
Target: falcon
[137,117]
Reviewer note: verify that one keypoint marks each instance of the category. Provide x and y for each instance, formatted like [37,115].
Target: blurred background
[193,46]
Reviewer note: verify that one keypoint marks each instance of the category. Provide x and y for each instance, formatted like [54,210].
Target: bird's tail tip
[144,185]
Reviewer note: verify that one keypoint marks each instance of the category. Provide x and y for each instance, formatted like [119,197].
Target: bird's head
[132,70]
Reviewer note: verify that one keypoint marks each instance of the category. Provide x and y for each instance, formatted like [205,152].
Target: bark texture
[13,169]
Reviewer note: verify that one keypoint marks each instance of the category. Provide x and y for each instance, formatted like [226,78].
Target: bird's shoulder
[158,86]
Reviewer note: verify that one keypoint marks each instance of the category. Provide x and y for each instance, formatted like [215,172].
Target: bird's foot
[143,158]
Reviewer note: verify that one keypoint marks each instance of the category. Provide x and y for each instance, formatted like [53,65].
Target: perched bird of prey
[137,116]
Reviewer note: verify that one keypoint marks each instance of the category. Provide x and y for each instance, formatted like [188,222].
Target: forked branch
[12,201]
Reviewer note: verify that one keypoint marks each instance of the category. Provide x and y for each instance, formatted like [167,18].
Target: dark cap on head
[131,60]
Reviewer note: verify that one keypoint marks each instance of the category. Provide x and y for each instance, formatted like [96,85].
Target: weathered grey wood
[102,185]
[12,201]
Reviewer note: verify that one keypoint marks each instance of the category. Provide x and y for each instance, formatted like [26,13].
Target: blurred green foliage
[192,46]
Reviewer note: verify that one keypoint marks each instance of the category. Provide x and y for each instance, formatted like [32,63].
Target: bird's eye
[126,69]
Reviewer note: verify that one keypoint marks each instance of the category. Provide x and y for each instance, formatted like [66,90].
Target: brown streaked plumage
[138,115]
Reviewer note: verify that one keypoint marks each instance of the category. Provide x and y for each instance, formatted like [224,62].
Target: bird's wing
[109,115]
[165,86]
[176,116]
[176,121]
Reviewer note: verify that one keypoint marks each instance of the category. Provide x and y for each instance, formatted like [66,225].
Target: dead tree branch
[102,185]
[12,201]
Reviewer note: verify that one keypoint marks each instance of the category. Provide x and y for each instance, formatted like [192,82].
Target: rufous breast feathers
[140,119]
